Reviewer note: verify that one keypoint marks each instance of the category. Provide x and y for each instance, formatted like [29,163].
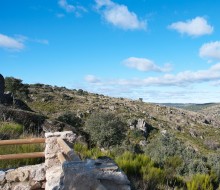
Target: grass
[10,130]
[15,149]
[94,153]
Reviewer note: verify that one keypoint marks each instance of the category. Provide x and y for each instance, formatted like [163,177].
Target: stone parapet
[23,178]
[53,166]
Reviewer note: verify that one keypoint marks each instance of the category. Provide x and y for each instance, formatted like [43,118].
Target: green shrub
[71,119]
[152,177]
[94,153]
[132,164]
[10,130]
[200,182]
[105,129]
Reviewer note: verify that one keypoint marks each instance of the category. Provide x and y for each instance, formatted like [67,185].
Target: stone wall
[23,178]
[100,174]
[53,166]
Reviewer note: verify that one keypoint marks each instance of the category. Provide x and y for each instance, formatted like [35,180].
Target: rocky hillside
[160,131]
[197,128]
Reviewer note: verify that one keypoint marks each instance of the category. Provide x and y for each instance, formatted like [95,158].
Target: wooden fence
[23,155]
[66,155]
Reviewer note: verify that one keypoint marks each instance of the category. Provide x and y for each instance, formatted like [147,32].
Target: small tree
[105,129]
[16,86]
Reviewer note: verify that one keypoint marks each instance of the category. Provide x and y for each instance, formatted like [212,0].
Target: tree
[16,86]
[105,129]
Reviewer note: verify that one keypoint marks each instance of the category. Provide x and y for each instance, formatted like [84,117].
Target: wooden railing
[68,153]
[23,155]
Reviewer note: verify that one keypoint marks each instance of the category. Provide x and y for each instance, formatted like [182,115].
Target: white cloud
[143,64]
[92,79]
[66,6]
[11,43]
[210,50]
[77,10]
[42,41]
[180,79]
[195,27]
[119,15]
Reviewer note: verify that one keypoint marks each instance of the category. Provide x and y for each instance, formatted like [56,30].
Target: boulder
[101,174]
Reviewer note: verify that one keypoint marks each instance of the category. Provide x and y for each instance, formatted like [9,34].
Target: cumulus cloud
[180,79]
[92,79]
[119,15]
[143,64]
[11,43]
[210,50]
[194,27]
[77,10]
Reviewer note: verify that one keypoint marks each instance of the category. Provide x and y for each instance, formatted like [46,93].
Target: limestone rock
[2,177]
[141,125]
[53,177]
[22,187]
[12,176]
[7,186]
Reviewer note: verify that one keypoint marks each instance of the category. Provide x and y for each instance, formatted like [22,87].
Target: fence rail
[22,141]
[22,155]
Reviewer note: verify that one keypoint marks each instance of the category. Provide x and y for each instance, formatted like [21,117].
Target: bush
[164,146]
[140,168]
[94,153]
[152,177]
[131,163]
[71,119]
[105,129]
[200,182]
[10,130]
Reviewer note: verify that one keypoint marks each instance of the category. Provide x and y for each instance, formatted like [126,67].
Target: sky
[159,50]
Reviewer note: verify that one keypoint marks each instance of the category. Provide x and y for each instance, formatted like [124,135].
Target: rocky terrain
[190,126]
[160,131]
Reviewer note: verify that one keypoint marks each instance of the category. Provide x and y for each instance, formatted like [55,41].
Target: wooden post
[61,157]
[22,141]
[67,150]
[23,155]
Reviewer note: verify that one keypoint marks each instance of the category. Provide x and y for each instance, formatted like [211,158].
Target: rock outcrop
[100,174]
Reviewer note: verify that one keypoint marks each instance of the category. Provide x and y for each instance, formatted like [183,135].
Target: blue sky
[158,50]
